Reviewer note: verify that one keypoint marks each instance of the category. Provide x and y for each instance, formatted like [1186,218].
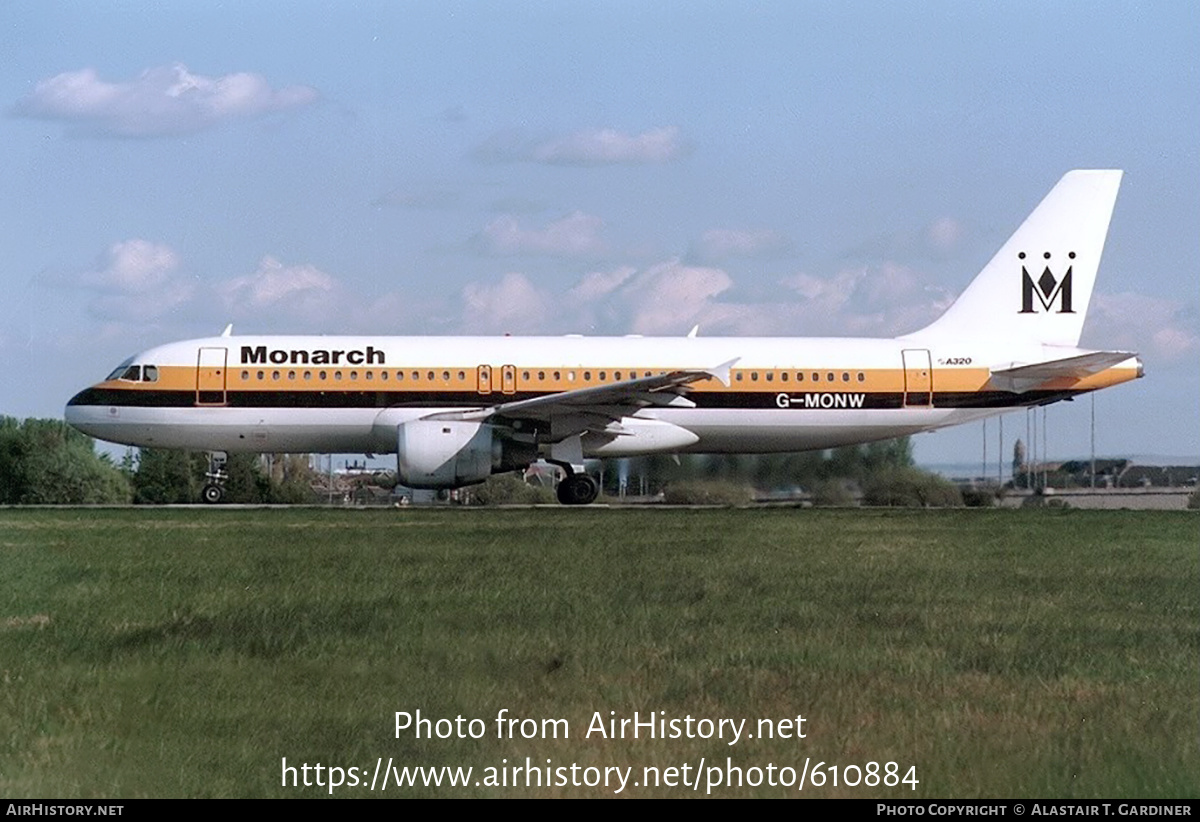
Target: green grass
[1002,653]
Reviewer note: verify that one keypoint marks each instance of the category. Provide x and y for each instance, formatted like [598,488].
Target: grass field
[1000,653]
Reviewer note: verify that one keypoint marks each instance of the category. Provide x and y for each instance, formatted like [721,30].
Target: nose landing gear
[215,476]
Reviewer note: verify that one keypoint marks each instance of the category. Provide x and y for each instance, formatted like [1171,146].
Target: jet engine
[450,453]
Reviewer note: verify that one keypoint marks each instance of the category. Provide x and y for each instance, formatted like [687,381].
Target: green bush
[980,496]
[46,462]
[910,488]
[509,489]
[833,493]
[707,492]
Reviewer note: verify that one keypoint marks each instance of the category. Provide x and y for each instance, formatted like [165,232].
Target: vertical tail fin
[1037,287]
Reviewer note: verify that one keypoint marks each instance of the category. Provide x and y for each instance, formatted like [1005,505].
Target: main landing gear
[215,476]
[577,489]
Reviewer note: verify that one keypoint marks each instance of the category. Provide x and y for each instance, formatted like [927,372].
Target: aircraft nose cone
[81,412]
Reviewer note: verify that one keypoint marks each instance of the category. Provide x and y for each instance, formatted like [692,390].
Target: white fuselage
[349,394]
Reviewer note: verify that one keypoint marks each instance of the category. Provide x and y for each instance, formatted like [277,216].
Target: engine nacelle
[450,454]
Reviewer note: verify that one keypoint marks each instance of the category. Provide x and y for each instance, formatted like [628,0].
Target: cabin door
[918,377]
[210,376]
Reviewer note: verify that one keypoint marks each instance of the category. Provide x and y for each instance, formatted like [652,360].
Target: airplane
[455,410]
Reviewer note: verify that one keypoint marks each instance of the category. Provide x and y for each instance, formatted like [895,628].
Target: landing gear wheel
[578,489]
[214,489]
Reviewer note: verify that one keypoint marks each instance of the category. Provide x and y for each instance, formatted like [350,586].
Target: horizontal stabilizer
[1022,378]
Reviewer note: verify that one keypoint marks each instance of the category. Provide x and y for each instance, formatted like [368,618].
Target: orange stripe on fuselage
[561,378]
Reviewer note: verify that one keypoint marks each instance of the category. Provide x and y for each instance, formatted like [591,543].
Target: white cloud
[597,284]
[871,301]
[671,296]
[133,267]
[723,243]
[588,147]
[134,280]
[143,307]
[302,290]
[166,100]
[610,147]
[943,234]
[577,234]
[512,305]
[1159,328]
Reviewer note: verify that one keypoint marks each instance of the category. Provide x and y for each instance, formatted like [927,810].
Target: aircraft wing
[597,407]
[1020,378]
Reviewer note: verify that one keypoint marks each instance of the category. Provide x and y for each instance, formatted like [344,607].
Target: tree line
[46,462]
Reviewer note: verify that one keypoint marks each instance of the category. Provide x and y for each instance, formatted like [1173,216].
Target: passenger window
[245,375]
[829,376]
[861,377]
[845,376]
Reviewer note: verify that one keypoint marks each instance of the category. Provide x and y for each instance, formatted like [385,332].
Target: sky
[773,168]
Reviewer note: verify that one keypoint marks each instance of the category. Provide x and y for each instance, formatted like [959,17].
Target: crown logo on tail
[1048,289]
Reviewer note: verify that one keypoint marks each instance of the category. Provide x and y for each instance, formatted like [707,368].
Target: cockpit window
[119,371]
[134,373]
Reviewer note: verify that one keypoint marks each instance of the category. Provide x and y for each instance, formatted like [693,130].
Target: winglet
[721,372]
[228,332]
[695,330]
